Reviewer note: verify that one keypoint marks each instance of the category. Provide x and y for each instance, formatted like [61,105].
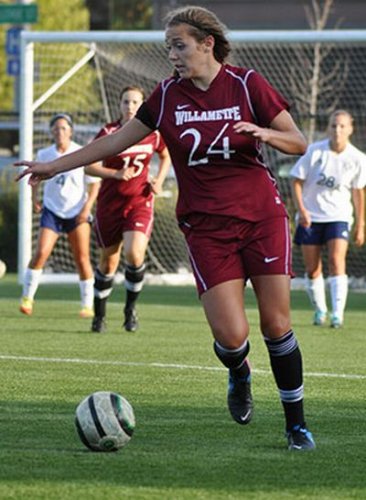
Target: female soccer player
[125,211]
[67,202]
[325,181]
[213,118]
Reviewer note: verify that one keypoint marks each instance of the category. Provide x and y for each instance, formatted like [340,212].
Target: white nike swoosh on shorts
[267,260]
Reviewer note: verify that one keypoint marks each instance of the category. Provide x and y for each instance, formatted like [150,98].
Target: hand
[125,174]
[84,216]
[156,186]
[38,171]
[251,130]
[304,218]
[359,236]
[37,207]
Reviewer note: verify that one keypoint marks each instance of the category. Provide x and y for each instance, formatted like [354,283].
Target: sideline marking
[6,357]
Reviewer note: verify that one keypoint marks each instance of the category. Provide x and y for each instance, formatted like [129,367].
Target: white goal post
[82,72]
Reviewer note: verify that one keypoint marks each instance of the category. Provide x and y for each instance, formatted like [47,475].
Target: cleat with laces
[98,324]
[320,318]
[239,399]
[131,323]
[300,439]
[26,306]
[86,313]
[335,321]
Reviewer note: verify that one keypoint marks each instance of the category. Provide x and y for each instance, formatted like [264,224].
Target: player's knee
[231,337]
[275,326]
[135,258]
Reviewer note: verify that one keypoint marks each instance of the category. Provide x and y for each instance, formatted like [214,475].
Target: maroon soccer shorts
[109,228]
[223,249]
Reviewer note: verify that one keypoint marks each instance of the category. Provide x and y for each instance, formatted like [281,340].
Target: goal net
[83,73]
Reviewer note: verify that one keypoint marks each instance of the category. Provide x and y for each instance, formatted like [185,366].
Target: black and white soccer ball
[105,421]
[2,268]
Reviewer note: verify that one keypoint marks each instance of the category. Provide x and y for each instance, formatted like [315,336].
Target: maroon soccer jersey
[115,195]
[218,171]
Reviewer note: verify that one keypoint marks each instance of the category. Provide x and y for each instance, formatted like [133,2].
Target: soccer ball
[105,421]
[2,268]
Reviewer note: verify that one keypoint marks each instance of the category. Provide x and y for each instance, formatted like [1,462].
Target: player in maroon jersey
[125,211]
[214,118]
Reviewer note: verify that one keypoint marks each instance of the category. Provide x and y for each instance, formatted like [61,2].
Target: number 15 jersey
[218,170]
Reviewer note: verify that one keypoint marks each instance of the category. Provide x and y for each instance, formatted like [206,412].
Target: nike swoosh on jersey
[267,260]
[182,106]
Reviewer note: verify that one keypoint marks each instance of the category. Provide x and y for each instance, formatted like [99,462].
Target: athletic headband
[65,116]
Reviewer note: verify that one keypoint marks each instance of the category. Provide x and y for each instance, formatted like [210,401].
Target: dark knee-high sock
[103,285]
[286,365]
[134,280]
[234,359]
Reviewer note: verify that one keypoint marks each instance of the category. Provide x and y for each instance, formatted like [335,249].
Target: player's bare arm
[93,190]
[358,197]
[36,203]
[304,216]
[164,165]
[98,170]
[282,134]
[110,145]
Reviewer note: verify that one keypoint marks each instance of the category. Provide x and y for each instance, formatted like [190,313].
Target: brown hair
[203,23]
[132,87]
[338,112]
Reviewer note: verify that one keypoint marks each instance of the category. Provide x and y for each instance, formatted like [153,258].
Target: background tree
[131,14]
[68,15]
[316,75]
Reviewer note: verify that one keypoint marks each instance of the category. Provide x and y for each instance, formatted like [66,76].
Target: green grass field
[185,445]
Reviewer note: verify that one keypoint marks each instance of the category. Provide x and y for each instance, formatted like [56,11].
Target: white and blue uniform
[66,193]
[329,178]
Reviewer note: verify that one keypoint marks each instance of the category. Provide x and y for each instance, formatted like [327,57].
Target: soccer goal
[82,73]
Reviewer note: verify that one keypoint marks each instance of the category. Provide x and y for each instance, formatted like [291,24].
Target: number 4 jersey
[66,193]
[218,171]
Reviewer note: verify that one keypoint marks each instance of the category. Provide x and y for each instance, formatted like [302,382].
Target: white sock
[338,293]
[87,292]
[315,289]
[31,281]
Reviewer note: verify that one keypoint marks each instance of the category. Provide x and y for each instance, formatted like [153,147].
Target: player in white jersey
[328,192]
[67,202]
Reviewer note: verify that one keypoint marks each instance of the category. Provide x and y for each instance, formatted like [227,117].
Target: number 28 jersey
[218,171]
[329,178]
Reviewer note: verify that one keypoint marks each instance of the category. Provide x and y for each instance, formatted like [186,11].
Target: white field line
[38,359]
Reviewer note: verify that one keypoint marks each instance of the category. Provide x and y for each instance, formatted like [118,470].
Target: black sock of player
[131,298]
[234,359]
[286,362]
[103,285]
[134,279]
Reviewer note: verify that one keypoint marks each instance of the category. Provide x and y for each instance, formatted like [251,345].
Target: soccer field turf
[185,445]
